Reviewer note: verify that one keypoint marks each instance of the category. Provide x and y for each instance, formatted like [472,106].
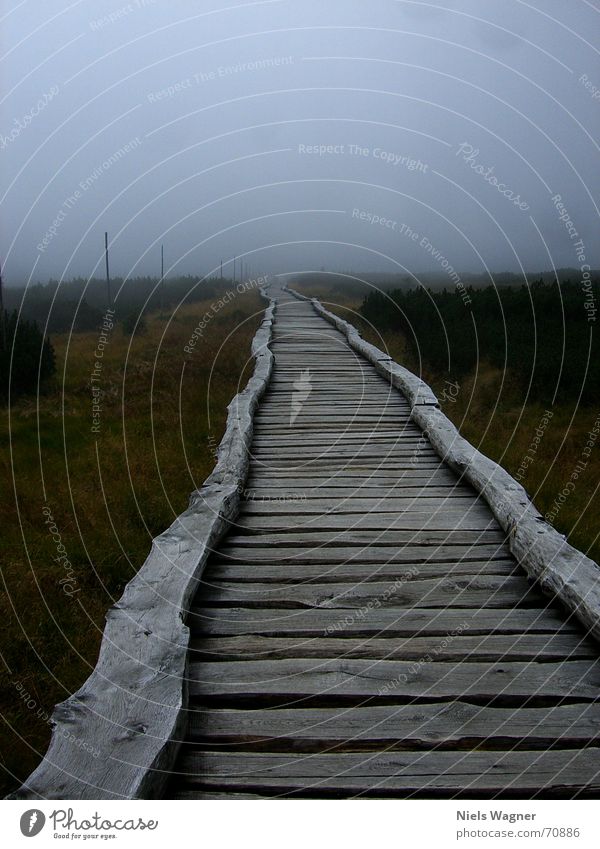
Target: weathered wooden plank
[433,507]
[352,435]
[385,414]
[349,571]
[370,551]
[412,520]
[550,773]
[258,492]
[410,477]
[427,679]
[481,591]
[380,547]
[485,647]
[349,464]
[351,439]
[318,454]
[384,622]
[337,393]
[401,539]
[354,465]
[361,417]
[308,455]
[280,401]
[303,482]
[301,428]
[394,727]
[179,792]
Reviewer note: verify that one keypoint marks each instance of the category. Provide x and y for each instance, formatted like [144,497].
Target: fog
[382,135]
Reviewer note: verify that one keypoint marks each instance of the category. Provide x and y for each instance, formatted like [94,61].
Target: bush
[539,333]
[32,356]
[134,323]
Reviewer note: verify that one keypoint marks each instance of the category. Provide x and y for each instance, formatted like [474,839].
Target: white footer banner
[306,824]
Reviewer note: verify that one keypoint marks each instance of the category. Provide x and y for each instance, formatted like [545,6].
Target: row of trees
[540,333]
[78,305]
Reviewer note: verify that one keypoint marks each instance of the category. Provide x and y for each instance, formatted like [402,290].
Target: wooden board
[307,551]
[352,571]
[552,773]
[384,622]
[409,520]
[489,647]
[324,679]
[456,724]
[480,591]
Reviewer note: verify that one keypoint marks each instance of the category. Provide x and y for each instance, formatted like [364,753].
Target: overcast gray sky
[191,123]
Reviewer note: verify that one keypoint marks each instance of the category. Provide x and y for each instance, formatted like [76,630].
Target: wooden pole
[234,269]
[107,271]
[162,276]
[221,271]
[2,320]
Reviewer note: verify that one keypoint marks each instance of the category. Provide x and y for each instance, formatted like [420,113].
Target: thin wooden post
[162,276]
[2,318]
[107,271]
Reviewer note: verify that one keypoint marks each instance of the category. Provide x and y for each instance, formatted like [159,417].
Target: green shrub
[26,357]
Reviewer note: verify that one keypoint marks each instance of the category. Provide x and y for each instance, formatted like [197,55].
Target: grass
[79,509]
[490,411]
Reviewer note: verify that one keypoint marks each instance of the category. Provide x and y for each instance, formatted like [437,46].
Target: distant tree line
[540,333]
[26,354]
[78,305]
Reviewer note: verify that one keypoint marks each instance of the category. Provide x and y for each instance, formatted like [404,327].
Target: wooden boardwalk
[363,630]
